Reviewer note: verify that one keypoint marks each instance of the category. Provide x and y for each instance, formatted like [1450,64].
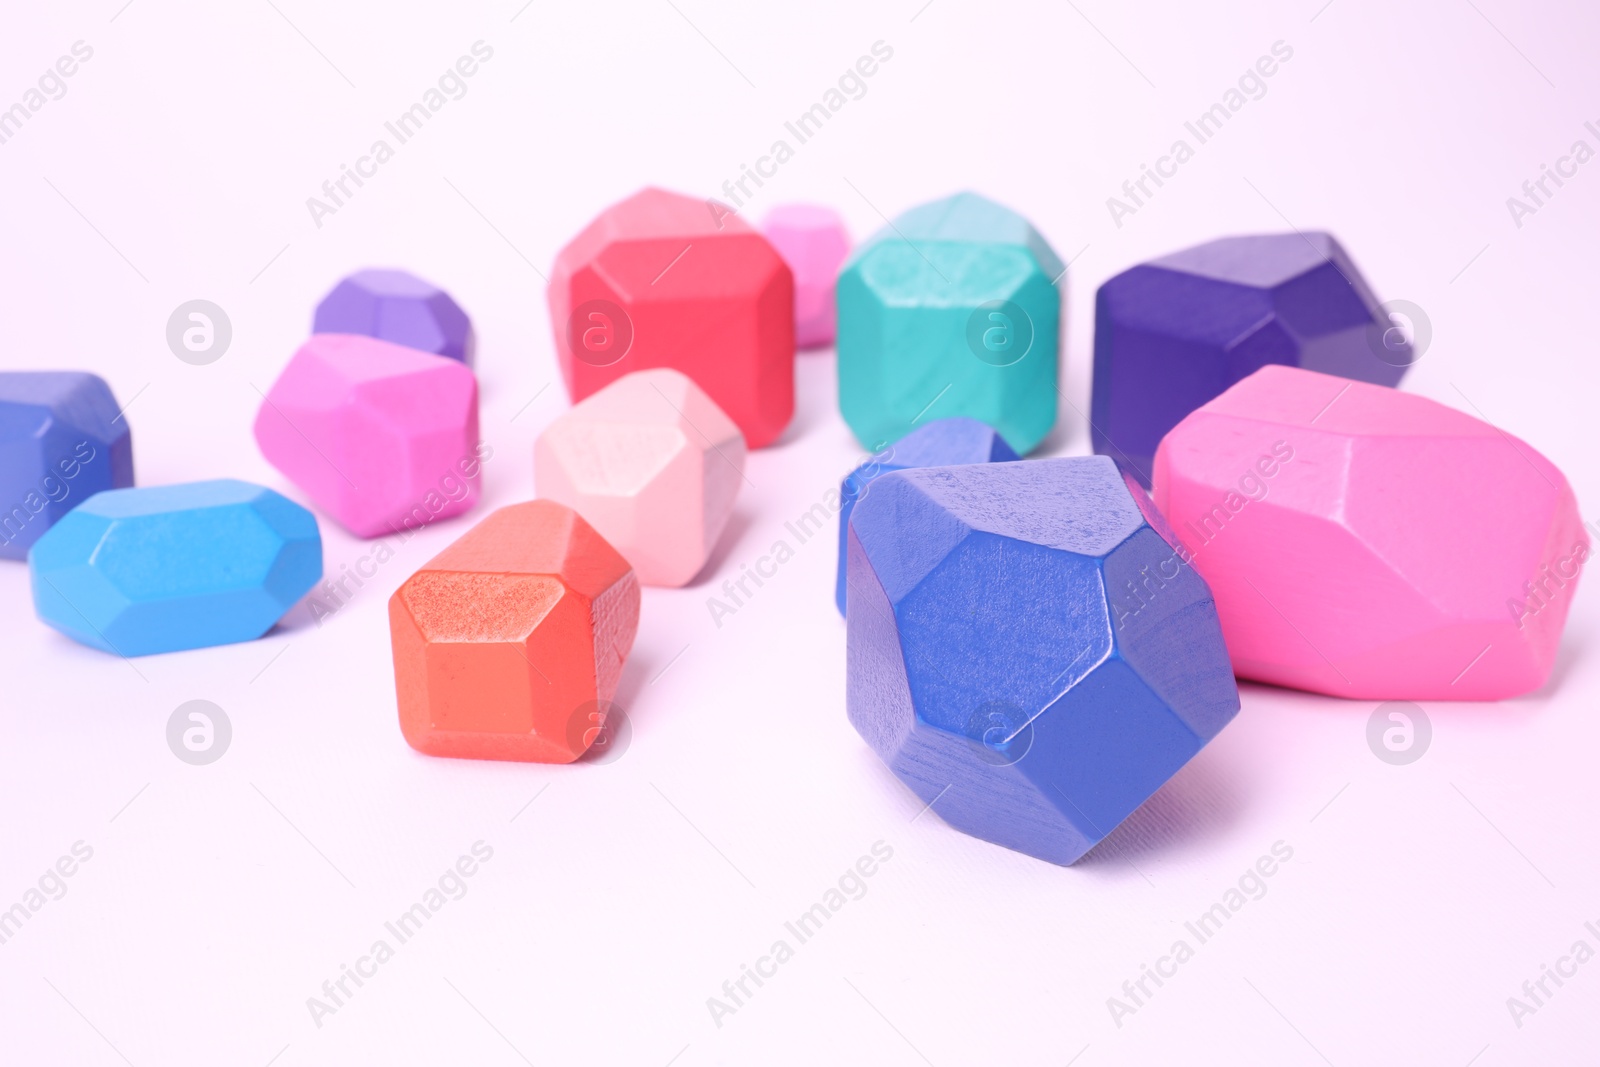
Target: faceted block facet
[1172,333]
[1368,543]
[950,310]
[62,440]
[1026,649]
[651,463]
[659,280]
[382,437]
[510,642]
[399,307]
[942,443]
[170,567]
[813,241]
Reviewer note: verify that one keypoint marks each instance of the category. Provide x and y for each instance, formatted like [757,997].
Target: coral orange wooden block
[509,642]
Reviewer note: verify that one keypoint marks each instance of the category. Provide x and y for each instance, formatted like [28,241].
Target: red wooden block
[659,280]
[509,643]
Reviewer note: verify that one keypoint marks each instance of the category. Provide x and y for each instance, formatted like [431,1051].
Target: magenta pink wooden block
[1368,543]
[813,241]
[380,436]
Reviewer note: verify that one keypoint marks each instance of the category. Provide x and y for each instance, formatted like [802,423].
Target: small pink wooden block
[380,436]
[813,241]
[653,464]
[1368,543]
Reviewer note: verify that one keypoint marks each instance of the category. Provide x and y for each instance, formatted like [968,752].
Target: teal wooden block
[952,309]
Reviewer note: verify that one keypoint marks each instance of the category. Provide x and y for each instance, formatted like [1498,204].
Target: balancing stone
[1026,649]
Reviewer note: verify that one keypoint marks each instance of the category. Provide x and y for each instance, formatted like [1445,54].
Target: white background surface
[220,898]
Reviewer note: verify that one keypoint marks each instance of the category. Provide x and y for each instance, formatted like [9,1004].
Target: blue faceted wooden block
[952,309]
[61,441]
[941,443]
[139,571]
[1173,334]
[1027,648]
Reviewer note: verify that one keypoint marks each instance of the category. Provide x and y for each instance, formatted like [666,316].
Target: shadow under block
[1025,649]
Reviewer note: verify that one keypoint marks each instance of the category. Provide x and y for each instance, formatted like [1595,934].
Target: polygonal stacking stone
[1368,543]
[658,280]
[651,463]
[1172,333]
[61,441]
[382,437]
[950,310]
[1027,650]
[508,644]
[170,567]
[813,241]
[942,443]
[397,306]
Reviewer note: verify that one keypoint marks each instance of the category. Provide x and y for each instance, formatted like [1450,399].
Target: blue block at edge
[62,440]
[141,571]
[1027,648]
[941,443]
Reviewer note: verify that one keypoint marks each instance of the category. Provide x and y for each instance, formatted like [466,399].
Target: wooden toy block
[382,437]
[1368,543]
[660,280]
[952,309]
[1026,650]
[1172,333]
[651,463]
[172,567]
[507,642]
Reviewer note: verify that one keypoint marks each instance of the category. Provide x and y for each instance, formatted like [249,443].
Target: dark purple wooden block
[1174,333]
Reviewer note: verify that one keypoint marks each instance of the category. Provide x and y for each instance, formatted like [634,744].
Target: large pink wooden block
[1369,543]
[380,436]
[813,241]
[650,462]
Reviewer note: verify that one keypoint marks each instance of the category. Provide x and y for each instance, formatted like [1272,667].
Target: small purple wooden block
[398,307]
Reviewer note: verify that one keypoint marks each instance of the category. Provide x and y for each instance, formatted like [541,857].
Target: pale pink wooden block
[1369,543]
[382,437]
[813,241]
[653,464]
